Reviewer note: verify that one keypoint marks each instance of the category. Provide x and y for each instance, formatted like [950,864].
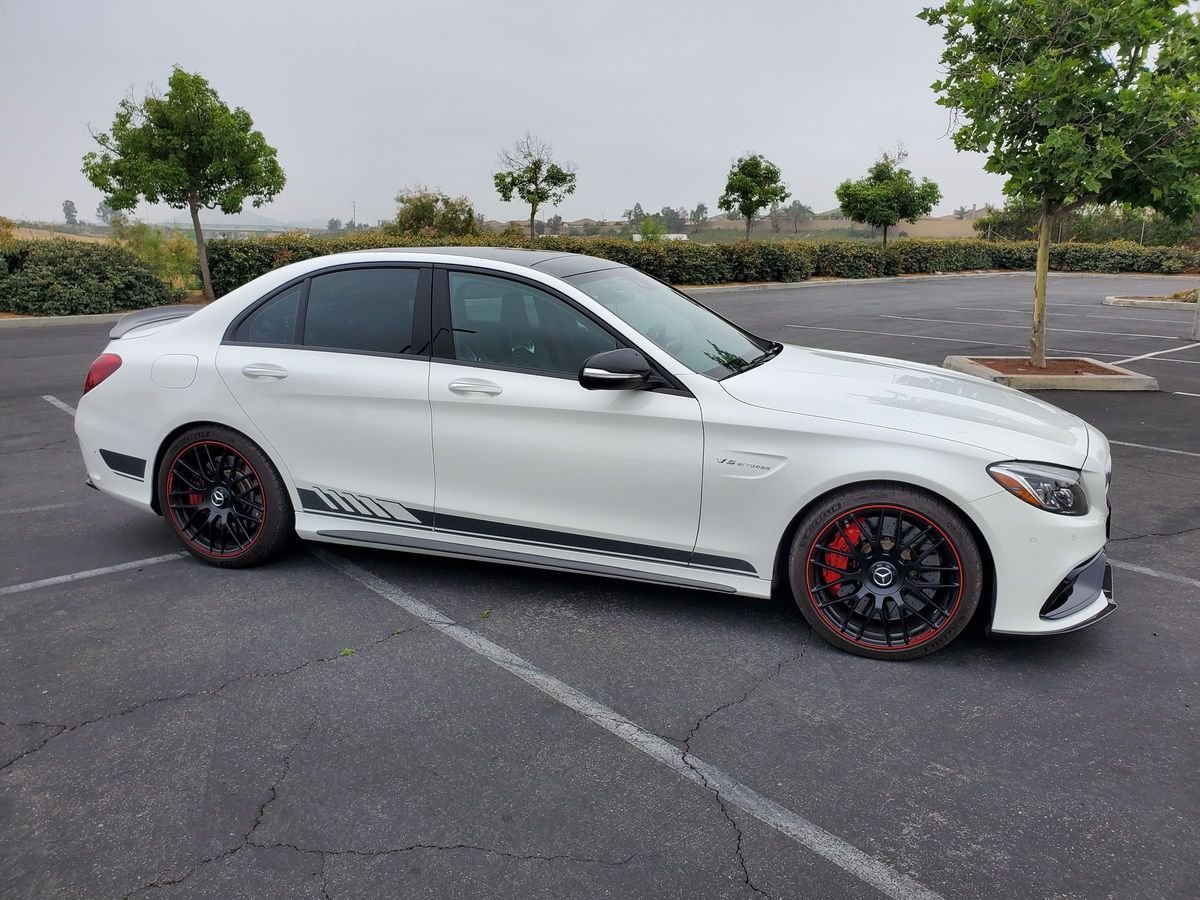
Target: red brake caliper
[838,560]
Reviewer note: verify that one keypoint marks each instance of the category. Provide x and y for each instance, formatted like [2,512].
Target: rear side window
[274,322]
[367,310]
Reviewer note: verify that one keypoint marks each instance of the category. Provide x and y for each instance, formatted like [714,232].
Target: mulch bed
[1060,366]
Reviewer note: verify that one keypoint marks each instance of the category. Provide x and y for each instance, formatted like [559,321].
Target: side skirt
[414,543]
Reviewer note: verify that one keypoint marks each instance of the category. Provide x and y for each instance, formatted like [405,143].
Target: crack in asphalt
[187,695]
[1158,534]
[475,848]
[687,750]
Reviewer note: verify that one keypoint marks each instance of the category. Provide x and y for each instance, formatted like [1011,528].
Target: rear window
[367,310]
[274,322]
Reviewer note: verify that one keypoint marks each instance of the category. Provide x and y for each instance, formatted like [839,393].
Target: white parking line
[1163,337]
[1142,570]
[1160,353]
[54,401]
[89,573]
[833,848]
[1029,312]
[1159,449]
[934,337]
[1184,394]
[33,509]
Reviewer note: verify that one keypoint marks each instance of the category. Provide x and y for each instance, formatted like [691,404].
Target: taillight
[105,365]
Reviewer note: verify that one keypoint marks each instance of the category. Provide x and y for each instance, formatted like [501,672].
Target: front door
[525,454]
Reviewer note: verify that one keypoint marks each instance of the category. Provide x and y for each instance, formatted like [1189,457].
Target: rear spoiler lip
[142,317]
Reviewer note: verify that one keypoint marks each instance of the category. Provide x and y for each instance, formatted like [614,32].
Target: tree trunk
[201,253]
[532,217]
[749,221]
[885,228]
[1037,339]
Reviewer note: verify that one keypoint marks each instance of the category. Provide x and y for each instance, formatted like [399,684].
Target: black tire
[885,572]
[223,498]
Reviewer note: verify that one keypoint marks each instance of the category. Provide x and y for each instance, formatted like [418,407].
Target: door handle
[475,386]
[264,370]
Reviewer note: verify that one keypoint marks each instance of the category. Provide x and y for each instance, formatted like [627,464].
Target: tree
[555,224]
[333,226]
[421,209]
[776,217]
[961,213]
[634,216]
[798,212]
[887,195]
[652,228]
[530,172]
[699,216]
[104,213]
[673,219]
[186,149]
[754,183]
[1077,103]
[70,213]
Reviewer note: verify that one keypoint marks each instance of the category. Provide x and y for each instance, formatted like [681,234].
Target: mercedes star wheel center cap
[883,575]
[218,497]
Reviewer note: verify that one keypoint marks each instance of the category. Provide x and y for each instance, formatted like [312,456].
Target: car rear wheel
[885,572]
[223,498]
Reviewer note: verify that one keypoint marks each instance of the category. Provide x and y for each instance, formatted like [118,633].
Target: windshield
[697,337]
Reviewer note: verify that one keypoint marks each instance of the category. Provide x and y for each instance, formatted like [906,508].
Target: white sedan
[571,413]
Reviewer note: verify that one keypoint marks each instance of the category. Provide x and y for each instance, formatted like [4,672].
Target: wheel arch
[987,599]
[169,438]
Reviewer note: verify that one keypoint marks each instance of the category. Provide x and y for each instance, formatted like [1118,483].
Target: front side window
[365,310]
[698,338]
[507,323]
[274,322]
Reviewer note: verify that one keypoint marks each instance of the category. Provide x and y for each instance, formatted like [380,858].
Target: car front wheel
[885,572]
[223,498]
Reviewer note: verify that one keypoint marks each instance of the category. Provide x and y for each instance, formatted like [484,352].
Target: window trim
[420,319]
[442,349]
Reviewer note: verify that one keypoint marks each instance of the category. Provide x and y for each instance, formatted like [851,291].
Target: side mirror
[615,370]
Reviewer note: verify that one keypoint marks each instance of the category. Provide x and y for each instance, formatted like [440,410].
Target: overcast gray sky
[651,100]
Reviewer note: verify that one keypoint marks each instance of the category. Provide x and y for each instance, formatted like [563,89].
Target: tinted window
[274,322]
[368,310]
[506,323]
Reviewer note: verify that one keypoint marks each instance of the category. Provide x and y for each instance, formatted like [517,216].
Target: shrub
[236,261]
[62,277]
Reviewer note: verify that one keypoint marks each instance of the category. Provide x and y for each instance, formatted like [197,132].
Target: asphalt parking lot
[347,723]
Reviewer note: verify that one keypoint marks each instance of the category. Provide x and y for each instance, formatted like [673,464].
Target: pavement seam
[187,695]
[686,742]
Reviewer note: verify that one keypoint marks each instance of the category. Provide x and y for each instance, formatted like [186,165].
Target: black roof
[552,262]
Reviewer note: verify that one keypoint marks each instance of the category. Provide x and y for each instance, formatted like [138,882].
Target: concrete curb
[38,321]
[1150,304]
[1126,380]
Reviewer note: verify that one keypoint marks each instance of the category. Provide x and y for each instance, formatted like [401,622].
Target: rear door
[334,370]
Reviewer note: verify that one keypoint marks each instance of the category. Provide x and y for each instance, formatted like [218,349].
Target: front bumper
[1084,597]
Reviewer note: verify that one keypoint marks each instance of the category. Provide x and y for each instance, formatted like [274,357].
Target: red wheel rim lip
[174,516]
[882,648]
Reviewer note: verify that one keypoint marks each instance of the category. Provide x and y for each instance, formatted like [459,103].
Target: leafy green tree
[673,218]
[333,226]
[186,149]
[104,212]
[555,224]
[652,228]
[798,213]
[422,209]
[1077,102]
[754,183]
[887,195]
[961,213]
[699,216]
[70,213]
[530,172]
[634,216]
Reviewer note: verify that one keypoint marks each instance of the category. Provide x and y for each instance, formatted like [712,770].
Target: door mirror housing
[615,370]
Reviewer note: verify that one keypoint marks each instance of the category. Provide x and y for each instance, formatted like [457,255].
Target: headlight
[1055,489]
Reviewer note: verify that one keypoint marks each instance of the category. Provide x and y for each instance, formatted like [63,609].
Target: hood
[892,393]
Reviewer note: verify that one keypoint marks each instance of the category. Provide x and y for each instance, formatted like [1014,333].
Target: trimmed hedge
[64,277]
[233,262]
